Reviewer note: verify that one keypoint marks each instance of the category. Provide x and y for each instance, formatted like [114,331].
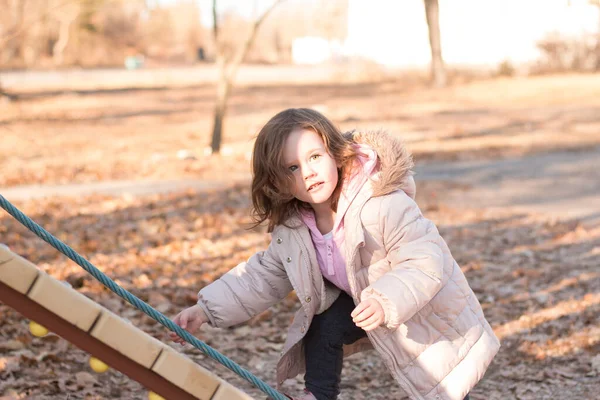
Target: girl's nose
[308,173]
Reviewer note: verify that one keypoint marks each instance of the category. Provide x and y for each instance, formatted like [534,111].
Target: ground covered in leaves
[537,277]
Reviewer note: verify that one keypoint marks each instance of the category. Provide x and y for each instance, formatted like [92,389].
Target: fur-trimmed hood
[395,162]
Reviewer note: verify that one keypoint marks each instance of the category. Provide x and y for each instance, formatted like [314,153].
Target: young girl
[369,270]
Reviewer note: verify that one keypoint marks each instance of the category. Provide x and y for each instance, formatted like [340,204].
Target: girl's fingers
[373,319]
[363,315]
[359,308]
[183,321]
[189,320]
[370,327]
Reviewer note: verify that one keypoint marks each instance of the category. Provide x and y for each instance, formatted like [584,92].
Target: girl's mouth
[314,186]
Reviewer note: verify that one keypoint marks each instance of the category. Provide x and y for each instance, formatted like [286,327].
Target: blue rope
[136,302]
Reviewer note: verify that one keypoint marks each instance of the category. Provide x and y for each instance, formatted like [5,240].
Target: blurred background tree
[597,4]
[42,34]
[47,34]
[228,59]
[438,70]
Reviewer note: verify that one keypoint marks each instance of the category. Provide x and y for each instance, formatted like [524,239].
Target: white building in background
[473,32]
[310,50]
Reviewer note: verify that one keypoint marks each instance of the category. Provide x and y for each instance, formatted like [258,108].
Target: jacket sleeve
[246,290]
[414,251]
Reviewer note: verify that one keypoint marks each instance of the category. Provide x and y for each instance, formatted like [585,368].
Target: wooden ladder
[105,335]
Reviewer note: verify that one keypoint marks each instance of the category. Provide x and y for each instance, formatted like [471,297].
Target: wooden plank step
[108,337]
[15,271]
[64,302]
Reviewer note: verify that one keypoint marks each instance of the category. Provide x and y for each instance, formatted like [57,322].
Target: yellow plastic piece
[154,396]
[97,365]
[37,329]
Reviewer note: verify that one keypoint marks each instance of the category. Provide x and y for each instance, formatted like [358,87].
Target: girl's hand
[368,314]
[190,319]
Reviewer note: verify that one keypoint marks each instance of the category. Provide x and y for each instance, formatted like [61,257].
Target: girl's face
[314,170]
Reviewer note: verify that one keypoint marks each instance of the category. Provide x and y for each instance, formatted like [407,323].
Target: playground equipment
[52,306]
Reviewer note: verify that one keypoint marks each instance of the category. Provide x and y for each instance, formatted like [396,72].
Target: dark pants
[323,347]
[328,332]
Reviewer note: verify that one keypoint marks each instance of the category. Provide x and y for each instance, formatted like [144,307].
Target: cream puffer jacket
[435,340]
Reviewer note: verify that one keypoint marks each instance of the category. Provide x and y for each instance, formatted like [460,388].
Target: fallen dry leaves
[536,278]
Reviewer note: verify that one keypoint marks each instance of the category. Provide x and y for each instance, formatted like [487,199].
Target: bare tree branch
[438,70]
[215,20]
[39,18]
[228,67]
[243,51]
[25,27]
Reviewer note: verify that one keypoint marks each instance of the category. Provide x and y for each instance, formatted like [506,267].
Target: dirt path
[563,184]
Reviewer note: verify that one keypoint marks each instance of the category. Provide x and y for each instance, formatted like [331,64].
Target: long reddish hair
[272,198]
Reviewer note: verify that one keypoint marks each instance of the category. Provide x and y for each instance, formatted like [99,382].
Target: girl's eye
[315,157]
[293,168]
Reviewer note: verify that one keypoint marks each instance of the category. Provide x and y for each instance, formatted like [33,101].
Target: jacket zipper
[296,287]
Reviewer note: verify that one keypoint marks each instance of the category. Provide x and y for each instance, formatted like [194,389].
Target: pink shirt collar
[329,252]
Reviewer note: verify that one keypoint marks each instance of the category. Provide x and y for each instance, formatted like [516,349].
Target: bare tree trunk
[223,88]
[23,27]
[19,21]
[227,70]
[597,3]
[438,70]
[58,50]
